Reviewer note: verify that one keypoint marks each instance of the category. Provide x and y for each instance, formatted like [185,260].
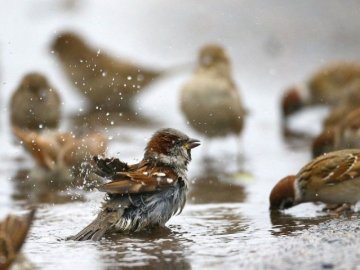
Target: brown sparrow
[344,135]
[350,102]
[106,81]
[35,104]
[53,150]
[210,100]
[13,232]
[333,178]
[145,194]
[325,87]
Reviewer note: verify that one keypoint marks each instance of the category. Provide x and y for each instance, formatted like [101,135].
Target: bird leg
[337,209]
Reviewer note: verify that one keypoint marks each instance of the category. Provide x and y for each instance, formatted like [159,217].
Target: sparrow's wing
[333,168]
[108,167]
[141,180]
[121,66]
[13,231]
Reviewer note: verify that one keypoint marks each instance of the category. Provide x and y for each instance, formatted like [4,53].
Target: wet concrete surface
[226,222]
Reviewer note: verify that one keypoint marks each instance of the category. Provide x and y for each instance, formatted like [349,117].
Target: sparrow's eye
[287,203]
[180,142]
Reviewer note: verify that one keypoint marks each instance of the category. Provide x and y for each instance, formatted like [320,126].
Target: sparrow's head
[291,102]
[212,55]
[34,82]
[170,147]
[68,44]
[324,142]
[282,195]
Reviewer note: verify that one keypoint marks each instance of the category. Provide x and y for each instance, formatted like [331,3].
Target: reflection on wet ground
[203,232]
[162,249]
[226,222]
[286,225]
[48,187]
[212,188]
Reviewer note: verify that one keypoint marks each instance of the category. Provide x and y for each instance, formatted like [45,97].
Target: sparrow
[344,135]
[210,100]
[54,150]
[350,102]
[35,104]
[108,83]
[146,194]
[13,232]
[332,178]
[325,87]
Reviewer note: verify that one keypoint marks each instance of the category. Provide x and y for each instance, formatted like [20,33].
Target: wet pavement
[226,222]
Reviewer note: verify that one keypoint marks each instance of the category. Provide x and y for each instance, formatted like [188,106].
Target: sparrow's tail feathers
[96,229]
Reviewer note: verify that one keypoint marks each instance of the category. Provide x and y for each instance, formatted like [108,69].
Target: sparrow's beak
[192,143]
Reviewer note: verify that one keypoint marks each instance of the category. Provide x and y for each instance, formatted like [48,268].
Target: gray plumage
[135,212]
[146,194]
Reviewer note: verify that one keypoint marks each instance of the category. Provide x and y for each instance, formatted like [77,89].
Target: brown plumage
[35,104]
[344,135]
[333,178]
[13,232]
[138,180]
[292,101]
[210,100]
[61,150]
[146,194]
[326,87]
[349,102]
[324,142]
[282,195]
[109,83]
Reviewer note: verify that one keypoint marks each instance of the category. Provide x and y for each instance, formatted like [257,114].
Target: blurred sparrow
[13,232]
[35,104]
[145,194]
[210,100]
[344,135]
[350,102]
[106,81]
[333,178]
[325,87]
[324,142]
[53,150]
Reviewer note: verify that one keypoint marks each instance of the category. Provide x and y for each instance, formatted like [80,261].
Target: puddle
[226,222]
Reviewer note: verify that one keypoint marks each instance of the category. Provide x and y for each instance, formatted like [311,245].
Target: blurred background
[271,44]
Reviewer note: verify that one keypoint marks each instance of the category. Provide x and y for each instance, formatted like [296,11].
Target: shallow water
[226,222]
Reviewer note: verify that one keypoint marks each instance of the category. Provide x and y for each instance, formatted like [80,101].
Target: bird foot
[337,209]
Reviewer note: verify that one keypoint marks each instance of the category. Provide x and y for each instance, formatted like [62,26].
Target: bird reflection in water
[214,185]
[286,224]
[161,248]
[34,191]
